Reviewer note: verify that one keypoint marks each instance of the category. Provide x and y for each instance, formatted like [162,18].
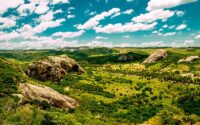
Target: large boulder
[189,59]
[53,68]
[45,94]
[156,56]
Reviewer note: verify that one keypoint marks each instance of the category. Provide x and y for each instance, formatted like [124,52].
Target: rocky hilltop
[156,56]
[53,68]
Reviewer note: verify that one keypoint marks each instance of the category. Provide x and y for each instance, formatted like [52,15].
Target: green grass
[110,92]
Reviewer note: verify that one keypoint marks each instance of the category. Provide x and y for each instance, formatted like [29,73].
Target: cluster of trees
[134,109]
[116,58]
[94,89]
[162,76]
[10,75]
[190,102]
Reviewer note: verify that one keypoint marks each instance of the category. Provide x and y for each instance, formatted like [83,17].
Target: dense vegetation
[112,91]
[10,75]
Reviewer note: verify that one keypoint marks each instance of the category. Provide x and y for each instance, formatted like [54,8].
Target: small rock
[189,59]
[187,75]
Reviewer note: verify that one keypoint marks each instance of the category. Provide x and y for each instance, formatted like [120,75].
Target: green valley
[116,88]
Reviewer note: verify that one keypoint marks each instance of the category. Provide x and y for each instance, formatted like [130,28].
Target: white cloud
[38,6]
[100,38]
[27,32]
[8,36]
[165,26]
[197,37]
[181,27]
[6,23]
[99,44]
[127,36]
[26,9]
[158,44]
[71,8]
[155,32]
[44,43]
[167,34]
[161,4]
[47,17]
[69,34]
[7,4]
[58,11]
[153,16]
[70,16]
[130,11]
[92,13]
[152,44]
[60,1]
[180,13]
[94,21]
[49,24]
[171,27]
[189,43]
[129,0]
[115,15]
[41,9]
[161,29]
[127,12]
[129,27]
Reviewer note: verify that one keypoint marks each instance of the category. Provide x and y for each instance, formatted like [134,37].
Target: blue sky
[49,24]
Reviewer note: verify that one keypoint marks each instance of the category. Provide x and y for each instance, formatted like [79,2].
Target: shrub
[9,76]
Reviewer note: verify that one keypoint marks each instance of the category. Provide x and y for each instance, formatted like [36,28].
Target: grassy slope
[108,93]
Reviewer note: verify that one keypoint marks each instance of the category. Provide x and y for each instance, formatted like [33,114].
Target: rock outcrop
[124,58]
[187,75]
[156,56]
[45,94]
[189,59]
[130,56]
[53,68]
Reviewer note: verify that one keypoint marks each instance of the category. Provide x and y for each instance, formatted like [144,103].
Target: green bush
[10,75]
[94,89]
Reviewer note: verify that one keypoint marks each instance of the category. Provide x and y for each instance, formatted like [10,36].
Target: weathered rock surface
[130,56]
[156,56]
[189,59]
[43,93]
[124,58]
[53,68]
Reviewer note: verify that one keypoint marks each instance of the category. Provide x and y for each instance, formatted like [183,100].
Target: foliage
[9,76]
[112,91]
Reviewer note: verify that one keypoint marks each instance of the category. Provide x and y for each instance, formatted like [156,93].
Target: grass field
[111,92]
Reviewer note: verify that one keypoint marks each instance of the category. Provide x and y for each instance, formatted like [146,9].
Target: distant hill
[118,58]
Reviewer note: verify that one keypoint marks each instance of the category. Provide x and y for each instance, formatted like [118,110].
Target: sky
[52,24]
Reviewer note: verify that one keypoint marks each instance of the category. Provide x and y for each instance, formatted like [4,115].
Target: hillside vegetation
[116,88]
